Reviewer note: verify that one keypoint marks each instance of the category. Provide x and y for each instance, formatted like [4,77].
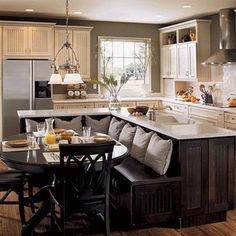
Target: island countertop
[179,131]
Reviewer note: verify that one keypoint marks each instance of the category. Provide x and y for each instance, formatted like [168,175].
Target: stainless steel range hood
[227,52]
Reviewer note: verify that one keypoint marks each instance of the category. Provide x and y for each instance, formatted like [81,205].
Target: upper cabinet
[168,61]
[184,46]
[33,41]
[79,37]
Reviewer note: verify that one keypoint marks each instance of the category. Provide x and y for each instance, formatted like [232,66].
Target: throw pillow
[30,125]
[115,128]
[74,124]
[127,135]
[100,126]
[158,154]
[140,143]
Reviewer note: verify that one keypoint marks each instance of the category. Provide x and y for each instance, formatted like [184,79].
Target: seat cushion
[100,126]
[140,143]
[30,125]
[74,124]
[158,154]
[127,135]
[115,128]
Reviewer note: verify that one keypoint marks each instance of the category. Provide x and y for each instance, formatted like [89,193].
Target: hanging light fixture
[68,69]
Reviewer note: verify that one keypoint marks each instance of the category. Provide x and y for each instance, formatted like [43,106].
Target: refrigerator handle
[31,102]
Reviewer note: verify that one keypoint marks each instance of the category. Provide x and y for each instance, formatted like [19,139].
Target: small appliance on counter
[77,91]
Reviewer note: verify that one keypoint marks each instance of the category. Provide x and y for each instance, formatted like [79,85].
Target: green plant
[111,84]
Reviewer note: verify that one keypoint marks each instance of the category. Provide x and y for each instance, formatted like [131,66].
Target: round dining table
[33,161]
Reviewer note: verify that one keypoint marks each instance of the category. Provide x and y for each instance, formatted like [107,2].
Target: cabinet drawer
[73,106]
[205,112]
[230,126]
[101,104]
[230,117]
[148,103]
[180,108]
[127,104]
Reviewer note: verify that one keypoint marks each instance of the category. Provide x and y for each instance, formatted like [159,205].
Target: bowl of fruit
[138,110]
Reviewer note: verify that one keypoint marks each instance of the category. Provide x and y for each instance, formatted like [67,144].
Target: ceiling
[137,11]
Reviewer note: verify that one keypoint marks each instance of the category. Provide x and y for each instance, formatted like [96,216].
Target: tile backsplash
[224,78]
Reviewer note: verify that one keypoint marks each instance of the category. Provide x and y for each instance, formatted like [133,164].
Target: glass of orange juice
[50,137]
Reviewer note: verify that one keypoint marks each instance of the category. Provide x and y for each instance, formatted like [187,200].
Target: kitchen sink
[173,120]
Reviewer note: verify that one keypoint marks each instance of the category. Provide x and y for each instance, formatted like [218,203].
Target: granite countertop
[166,99]
[181,131]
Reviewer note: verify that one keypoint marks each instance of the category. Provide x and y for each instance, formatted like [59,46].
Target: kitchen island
[203,157]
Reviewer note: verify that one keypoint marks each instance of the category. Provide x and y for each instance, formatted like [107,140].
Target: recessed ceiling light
[77,12]
[29,10]
[186,6]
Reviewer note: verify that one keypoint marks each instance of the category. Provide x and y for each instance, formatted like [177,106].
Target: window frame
[147,82]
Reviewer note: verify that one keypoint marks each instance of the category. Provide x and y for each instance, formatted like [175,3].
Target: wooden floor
[10,226]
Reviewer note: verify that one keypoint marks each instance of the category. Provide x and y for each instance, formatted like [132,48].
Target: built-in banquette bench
[197,188]
[138,193]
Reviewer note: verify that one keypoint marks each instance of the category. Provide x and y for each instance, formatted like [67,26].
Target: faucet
[163,108]
[167,107]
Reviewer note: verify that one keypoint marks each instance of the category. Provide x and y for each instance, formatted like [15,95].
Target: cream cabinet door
[40,41]
[25,41]
[183,61]
[192,60]
[15,41]
[60,39]
[187,61]
[168,62]
[81,45]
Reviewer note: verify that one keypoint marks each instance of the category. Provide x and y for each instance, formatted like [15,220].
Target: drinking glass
[41,128]
[86,133]
[31,140]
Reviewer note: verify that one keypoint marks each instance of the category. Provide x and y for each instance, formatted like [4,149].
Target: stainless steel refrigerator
[25,87]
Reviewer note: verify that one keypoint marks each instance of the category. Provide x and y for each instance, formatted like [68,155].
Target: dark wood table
[33,161]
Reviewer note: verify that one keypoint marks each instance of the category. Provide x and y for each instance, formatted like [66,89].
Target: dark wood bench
[142,197]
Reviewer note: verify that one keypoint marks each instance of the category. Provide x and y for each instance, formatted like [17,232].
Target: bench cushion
[158,154]
[100,126]
[140,143]
[135,171]
[74,124]
[127,135]
[115,128]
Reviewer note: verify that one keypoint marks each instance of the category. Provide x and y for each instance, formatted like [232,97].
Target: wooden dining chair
[83,183]
[13,181]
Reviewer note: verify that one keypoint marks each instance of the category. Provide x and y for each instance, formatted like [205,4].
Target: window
[126,55]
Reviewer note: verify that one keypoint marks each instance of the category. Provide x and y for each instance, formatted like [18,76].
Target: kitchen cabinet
[101,104]
[79,37]
[207,178]
[28,41]
[184,46]
[215,117]
[74,106]
[187,58]
[1,99]
[168,61]
[129,104]
[181,109]
[230,121]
